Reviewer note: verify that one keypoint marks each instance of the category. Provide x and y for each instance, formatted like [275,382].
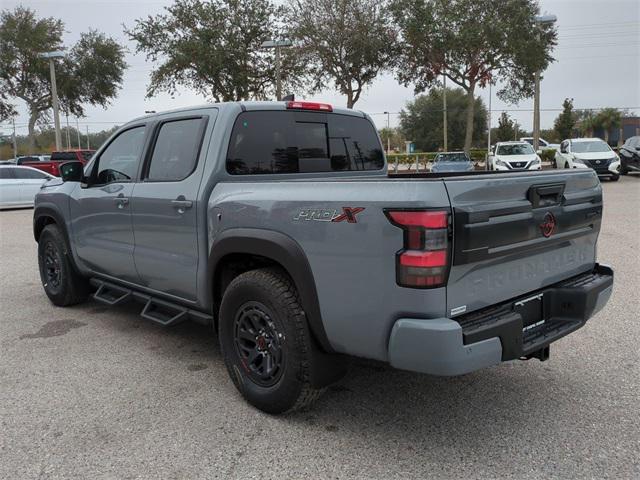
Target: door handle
[181,204]
[121,201]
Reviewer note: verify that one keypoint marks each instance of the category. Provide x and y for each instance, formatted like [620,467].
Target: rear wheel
[614,178]
[62,284]
[266,343]
[623,170]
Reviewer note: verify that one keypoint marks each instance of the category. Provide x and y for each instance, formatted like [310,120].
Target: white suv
[589,153]
[513,156]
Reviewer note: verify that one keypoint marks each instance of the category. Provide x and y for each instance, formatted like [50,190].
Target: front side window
[119,161]
[590,147]
[28,174]
[267,142]
[515,149]
[176,150]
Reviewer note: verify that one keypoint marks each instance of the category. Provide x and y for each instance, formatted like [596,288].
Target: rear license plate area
[532,312]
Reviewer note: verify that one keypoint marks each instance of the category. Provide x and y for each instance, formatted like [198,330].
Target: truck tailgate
[516,233]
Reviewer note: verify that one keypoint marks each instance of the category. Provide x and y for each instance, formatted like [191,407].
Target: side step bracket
[112,294]
[163,313]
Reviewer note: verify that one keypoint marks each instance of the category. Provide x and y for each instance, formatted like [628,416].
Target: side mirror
[71,171]
[638,147]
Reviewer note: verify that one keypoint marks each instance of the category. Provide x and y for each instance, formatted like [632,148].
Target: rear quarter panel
[353,264]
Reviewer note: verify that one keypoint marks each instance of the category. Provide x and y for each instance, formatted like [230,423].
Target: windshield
[590,147]
[452,157]
[516,149]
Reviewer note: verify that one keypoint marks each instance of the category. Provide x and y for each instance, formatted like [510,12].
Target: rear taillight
[424,260]
[295,105]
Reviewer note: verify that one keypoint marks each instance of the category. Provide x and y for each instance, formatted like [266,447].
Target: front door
[165,206]
[101,212]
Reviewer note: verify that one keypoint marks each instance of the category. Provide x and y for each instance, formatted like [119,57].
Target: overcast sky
[597,62]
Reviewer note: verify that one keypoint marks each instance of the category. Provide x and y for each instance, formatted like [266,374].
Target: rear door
[9,187]
[516,233]
[165,205]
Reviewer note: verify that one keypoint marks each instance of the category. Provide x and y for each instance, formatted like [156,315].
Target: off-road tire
[69,288]
[272,288]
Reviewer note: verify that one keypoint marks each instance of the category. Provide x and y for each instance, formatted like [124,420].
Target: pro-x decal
[329,214]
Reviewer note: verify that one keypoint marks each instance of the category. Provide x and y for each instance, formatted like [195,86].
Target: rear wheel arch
[236,251]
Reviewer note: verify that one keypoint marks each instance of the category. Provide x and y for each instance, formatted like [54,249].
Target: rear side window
[176,150]
[267,142]
[6,173]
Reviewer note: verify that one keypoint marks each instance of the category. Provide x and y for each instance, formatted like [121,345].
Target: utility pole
[78,132]
[15,143]
[489,130]
[540,20]
[54,92]
[88,147]
[68,134]
[388,132]
[277,44]
[444,111]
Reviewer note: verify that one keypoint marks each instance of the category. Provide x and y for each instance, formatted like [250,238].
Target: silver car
[19,185]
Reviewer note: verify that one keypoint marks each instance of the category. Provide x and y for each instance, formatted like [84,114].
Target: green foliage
[344,42]
[214,48]
[566,121]
[608,118]
[90,73]
[507,129]
[422,120]
[473,42]
[550,135]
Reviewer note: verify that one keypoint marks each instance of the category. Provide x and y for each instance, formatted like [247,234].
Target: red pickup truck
[58,158]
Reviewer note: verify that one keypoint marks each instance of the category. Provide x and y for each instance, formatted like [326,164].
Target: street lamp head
[276,43]
[546,19]
[54,54]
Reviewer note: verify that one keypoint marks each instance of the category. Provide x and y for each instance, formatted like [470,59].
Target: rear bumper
[503,332]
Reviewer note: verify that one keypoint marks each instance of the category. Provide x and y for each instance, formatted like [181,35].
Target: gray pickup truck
[277,224]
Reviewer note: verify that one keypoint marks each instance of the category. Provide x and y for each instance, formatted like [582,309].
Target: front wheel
[266,342]
[62,284]
[615,178]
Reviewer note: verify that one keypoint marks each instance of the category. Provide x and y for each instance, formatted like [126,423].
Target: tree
[346,42]
[585,122]
[214,48]
[421,121]
[566,121]
[607,119]
[90,73]
[473,42]
[506,129]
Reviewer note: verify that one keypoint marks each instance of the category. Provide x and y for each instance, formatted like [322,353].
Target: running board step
[164,313]
[112,294]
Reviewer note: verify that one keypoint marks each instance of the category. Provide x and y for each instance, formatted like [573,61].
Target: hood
[444,166]
[595,155]
[518,158]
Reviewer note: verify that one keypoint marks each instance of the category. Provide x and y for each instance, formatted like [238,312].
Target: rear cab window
[277,142]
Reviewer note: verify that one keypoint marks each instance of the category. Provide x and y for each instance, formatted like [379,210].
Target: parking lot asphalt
[95,392]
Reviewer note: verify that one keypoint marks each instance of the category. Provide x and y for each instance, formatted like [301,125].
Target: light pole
[388,132]
[277,44]
[444,111]
[540,20]
[54,92]
[489,130]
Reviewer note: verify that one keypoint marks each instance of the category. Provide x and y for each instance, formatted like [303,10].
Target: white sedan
[19,185]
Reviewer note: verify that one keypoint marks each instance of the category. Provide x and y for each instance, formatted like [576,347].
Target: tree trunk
[470,112]
[33,118]
[606,134]
[350,101]
[620,135]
